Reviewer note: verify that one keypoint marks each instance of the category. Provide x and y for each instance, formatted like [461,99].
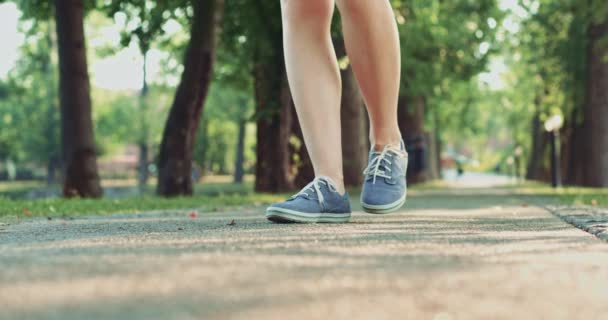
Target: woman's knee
[297,11]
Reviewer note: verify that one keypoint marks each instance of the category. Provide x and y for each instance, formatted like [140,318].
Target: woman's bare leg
[372,43]
[314,79]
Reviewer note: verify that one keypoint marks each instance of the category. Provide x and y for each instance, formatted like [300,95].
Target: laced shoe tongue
[311,193]
[314,189]
[379,165]
[306,193]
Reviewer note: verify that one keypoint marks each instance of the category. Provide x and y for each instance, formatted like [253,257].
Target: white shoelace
[315,187]
[381,165]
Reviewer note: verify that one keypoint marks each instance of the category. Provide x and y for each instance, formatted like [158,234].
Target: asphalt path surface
[453,254]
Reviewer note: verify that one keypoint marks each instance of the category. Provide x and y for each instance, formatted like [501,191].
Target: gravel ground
[448,255]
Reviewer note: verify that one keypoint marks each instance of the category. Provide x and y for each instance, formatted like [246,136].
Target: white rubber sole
[384,209]
[280,215]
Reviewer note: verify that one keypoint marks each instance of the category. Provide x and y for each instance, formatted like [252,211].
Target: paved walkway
[449,255]
[591,219]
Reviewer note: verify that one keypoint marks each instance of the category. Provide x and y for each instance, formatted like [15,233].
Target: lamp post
[553,125]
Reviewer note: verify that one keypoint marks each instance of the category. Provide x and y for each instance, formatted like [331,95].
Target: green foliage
[115,114]
[43,10]
[547,66]
[217,138]
[145,21]
[446,45]
[252,39]
[29,111]
[444,39]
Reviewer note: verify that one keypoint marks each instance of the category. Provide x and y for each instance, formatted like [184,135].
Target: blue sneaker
[385,188]
[318,202]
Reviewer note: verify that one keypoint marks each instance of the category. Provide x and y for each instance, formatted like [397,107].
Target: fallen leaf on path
[27,213]
[525,205]
[193,214]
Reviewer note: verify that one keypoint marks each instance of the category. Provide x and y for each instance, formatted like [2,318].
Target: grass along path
[56,207]
[218,196]
[208,197]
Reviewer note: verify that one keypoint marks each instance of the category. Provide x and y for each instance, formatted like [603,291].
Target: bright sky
[127,64]
[11,39]
[494,78]
[122,71]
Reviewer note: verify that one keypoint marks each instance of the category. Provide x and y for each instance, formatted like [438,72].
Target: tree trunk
[537,169]
[411,124]
[53,121]
[142,168]
[203,143]
[274,108]
[239,171]
[274,126]
[355,124]
[433,172]
[175,158]
[567,148]
[51,171]
[596,109]
[437,144]
[79,154]
[574,146]
[355,133]
[411,116]
[304,171]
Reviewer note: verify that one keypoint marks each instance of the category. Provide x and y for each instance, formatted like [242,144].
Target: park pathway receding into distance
[451,254]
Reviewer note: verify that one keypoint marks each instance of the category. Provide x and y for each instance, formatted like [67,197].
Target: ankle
[337,182]
[382,140]
[381,146]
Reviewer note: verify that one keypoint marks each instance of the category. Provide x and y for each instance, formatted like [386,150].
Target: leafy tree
[79,154]
[595,112]
[562,49]
[222,138]
[30,105]
[252,31]
[175,158]
[143,23]
[443,42]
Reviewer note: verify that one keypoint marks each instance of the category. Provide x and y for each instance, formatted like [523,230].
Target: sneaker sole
[279,215]
[384,209]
